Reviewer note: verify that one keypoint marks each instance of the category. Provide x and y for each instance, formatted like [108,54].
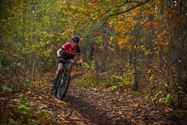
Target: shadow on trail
[94,114]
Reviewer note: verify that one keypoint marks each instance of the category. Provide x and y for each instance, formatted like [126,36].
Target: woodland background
[136,44]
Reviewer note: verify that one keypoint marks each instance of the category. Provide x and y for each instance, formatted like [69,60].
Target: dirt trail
[92,107]
[84,106]
[106,108]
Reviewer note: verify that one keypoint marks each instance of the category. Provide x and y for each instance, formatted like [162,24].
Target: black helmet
[75,39]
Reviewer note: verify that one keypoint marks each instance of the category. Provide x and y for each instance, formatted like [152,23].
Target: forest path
[86,106]
[95,107]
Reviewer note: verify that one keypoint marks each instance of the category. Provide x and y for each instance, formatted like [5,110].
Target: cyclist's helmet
[75,39]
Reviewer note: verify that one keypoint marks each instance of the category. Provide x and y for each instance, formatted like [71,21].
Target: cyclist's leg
[58,73]
[70,67]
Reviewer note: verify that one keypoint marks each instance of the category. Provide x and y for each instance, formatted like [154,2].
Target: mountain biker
[67,51]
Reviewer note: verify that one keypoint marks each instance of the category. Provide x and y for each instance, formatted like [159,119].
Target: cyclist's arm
[79,54]
[64,48]
[81,57]
[59,52]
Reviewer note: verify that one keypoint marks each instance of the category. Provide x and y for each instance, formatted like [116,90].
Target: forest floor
[89,106]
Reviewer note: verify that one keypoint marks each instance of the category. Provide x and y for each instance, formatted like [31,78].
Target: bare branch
[120,5]
[132,1]
[125,11]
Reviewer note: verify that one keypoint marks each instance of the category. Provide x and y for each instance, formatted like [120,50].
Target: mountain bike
[62,85]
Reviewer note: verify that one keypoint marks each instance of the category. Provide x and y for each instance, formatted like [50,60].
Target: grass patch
[23,112]
[114,82]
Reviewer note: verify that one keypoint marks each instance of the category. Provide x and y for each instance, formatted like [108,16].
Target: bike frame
[64,81]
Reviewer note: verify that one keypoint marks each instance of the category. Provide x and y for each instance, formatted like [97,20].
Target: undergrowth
[22,111]
[114,82]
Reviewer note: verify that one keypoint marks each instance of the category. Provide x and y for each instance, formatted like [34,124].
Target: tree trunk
[136,67]
[130,58]
[33,66]
[105,48]
[135,83]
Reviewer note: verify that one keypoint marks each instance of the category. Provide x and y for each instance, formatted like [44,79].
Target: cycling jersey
[69,51]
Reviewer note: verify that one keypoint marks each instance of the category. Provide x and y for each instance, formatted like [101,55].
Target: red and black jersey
[69,51]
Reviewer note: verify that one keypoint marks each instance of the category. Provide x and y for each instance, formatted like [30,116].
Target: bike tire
[62,86]
[56,87]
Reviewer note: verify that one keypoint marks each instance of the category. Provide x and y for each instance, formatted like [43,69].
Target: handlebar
[69,61]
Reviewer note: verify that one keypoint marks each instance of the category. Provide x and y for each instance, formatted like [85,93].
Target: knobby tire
[62,86]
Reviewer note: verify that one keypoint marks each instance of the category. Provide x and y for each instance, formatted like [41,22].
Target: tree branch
[125,11]
[120,5]
[126,2]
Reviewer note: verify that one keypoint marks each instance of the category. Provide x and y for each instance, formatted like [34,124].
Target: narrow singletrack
[111,108]
[85,106]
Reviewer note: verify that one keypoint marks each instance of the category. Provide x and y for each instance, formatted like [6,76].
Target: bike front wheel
[62,87]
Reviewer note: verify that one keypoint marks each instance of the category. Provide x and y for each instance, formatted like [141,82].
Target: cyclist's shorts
[63,60]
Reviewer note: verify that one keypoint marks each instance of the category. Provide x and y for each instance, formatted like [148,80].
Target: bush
[29,115]
[115,82]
